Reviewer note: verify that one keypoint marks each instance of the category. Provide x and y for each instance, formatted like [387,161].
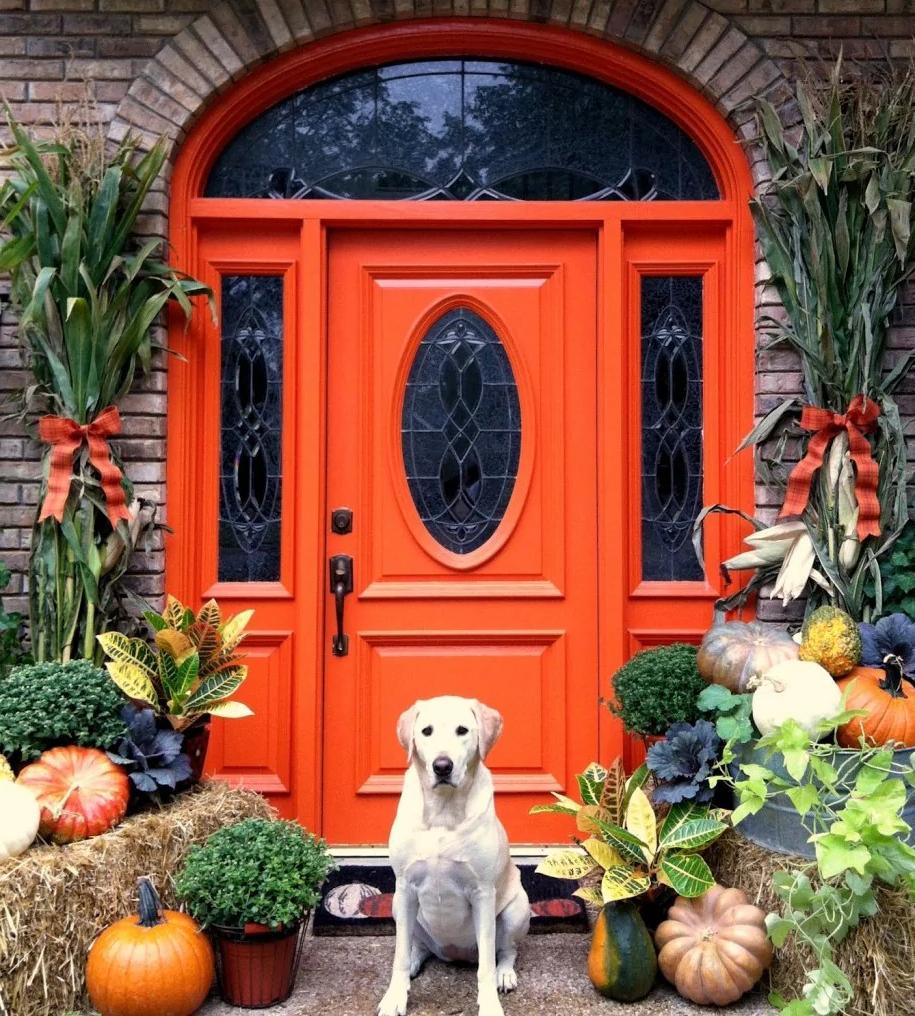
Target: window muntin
[463,130]
[250,475]
[461,430]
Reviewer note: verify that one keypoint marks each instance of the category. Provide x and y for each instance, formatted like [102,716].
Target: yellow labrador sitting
[458,895]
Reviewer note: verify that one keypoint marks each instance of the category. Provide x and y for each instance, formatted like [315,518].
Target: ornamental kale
[153,757]
[890,640]
[682,763]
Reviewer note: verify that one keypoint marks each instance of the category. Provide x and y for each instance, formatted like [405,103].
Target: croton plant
[194,669]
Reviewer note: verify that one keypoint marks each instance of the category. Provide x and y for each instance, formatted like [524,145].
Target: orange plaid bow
[65,437]
[860,419]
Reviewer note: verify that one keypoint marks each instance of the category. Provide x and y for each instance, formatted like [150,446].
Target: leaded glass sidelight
[461,430]
[250,479]
[463,130]
[671,425]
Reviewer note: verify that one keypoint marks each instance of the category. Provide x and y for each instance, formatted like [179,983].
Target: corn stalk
[86,295]
[836,226]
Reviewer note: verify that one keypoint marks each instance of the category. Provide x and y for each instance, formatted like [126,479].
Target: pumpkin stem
[150,904]
[894,676]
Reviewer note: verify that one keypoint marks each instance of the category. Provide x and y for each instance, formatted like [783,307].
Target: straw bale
[877,956]
[54,901]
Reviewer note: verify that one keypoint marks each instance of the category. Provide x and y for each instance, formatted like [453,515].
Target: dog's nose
[442,767]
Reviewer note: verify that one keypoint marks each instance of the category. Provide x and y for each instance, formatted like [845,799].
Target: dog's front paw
[394,1002]
[489,1004]
[506,979]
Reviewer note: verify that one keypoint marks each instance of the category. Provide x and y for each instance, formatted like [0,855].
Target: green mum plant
[43,705]
[194,670]
[657,688]
[625,844]
[257,871]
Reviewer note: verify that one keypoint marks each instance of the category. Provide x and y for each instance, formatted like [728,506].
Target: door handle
[341,585]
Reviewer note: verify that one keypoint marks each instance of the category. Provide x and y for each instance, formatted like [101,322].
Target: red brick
[60,45]
[96,24]
[129,45]
[163,24]
[29,24]
[47,70]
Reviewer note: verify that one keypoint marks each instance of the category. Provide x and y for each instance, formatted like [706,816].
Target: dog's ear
[405,730]
[489,727]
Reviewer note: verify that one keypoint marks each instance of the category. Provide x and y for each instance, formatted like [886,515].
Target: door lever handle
[341,585]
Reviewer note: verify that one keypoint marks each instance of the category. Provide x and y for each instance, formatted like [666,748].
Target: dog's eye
[461,731]
[427,731]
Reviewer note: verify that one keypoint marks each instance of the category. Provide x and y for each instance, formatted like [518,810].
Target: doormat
[356,900]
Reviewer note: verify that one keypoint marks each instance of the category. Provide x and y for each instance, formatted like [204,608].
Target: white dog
[458,894]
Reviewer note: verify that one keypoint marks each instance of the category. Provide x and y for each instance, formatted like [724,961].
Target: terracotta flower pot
[257,964]
[196,742]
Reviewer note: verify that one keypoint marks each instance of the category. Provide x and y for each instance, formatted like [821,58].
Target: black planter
[196,742]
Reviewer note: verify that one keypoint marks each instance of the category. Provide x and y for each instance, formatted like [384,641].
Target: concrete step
[348,976]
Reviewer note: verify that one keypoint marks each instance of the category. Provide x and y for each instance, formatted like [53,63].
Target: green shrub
[897,573]
[657,688]
[43,705]
[256,871]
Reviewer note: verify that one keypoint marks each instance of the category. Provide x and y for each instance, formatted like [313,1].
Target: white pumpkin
[21,816]
[795,690]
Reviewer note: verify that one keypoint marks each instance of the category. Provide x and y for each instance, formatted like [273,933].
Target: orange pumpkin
[81,792]
[713,949]
[155,963]
[889,701]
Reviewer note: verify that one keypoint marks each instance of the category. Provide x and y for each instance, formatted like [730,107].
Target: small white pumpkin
[795,690]
[21,816]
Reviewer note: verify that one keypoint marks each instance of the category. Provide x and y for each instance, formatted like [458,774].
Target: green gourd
[622,962]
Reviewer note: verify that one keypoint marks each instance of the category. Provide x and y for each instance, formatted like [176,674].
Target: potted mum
[253,886]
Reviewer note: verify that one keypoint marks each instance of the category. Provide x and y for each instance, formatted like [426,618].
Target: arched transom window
[463,130]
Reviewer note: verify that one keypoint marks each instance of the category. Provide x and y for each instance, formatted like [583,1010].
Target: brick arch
[221,46]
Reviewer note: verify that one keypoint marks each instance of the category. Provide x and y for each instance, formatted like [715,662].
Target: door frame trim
[614,223]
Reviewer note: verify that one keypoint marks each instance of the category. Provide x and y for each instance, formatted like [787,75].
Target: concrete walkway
[348,976]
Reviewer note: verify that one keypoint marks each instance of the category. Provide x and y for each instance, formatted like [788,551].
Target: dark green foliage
[11,651]
[897,572]
[43,705]
[657,688]
[257,871]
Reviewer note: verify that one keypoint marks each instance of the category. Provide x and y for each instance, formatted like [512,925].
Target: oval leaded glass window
[463,130]
[461,430]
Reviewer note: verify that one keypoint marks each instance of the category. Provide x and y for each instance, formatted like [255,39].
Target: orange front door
[462,435]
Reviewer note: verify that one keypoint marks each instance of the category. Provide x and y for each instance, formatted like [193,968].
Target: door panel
[512,621]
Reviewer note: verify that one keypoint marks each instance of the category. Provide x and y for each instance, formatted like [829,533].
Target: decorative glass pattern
[461,430]
[671,425]
[463,130]
[250,478]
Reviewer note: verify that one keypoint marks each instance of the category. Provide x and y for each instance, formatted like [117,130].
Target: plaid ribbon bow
[858,420]
[65,437]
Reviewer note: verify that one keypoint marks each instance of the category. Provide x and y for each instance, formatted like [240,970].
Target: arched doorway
[489,288]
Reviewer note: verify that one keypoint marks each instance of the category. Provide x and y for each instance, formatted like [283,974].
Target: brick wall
[154,64]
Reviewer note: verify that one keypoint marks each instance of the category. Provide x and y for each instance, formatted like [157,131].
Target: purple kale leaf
[891,641]
[682,763]
[152,756]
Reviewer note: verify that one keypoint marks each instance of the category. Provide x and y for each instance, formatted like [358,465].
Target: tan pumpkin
[733,652]
[713,949]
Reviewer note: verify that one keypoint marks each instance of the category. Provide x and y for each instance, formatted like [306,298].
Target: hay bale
[54,901]
[876,956]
